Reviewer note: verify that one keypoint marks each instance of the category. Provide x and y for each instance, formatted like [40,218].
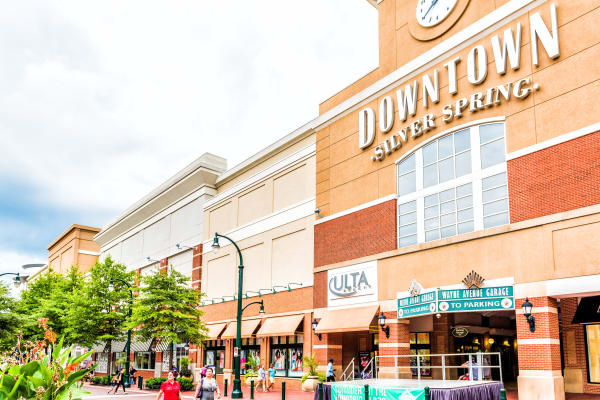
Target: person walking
[329,373]
[207,387]
[262,378]
[171,389]
[119,379]
[271,378]
[203,372]
[132,372]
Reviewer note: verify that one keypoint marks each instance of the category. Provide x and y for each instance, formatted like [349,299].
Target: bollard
[140,382]
[283,390]
[366,392]
[252,389]
[502,394]
[320,388]
[225,388]
[427,393]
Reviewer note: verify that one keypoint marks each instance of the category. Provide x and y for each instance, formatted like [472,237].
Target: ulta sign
[506,52]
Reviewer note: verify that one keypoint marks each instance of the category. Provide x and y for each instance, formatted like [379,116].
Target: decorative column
[540,374]
[398,344]
[164,264]
[197,267]
[228,370]
[442,342]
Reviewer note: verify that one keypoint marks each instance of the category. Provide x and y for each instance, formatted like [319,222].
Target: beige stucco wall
[347,177]
[64,252]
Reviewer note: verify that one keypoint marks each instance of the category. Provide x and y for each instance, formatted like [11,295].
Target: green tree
[10,320]
[98,312]
[49,296]
[169,310]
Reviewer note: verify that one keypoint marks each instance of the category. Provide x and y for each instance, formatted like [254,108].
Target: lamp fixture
[261,311]
[215,245]
[182,246]
[314,327]
[288,288]
[385,329]
[527,307]
[247,294]
[217,298]
[151,260]
[318,213]
[260,291]
[295,284]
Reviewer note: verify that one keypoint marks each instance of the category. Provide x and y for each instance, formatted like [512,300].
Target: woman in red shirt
[171,388]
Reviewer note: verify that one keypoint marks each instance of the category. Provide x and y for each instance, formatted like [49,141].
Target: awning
[588,311]
[162,346]
[99,347]
[280,326]
[117,346]
[139,346]
[348,320]
[248,328]
[214,330]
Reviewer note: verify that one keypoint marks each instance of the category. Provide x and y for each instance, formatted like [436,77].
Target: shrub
[311,363]
[154,383]
[185,363]
[186,384]
[97,380]
[319,374]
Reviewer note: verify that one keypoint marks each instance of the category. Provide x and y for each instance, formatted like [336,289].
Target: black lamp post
[128,345]
[236,393]
[314,328]
[527,306]
[384,328]
[18,278]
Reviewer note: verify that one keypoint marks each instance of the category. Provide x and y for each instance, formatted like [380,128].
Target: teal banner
[457,300]
[357,392]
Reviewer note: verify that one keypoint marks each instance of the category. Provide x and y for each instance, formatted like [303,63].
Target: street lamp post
[236,393]
[19,279]
[128,345]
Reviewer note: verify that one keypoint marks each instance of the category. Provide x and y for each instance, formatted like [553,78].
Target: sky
[102,101]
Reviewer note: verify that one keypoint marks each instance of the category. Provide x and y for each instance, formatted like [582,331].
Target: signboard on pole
[357,392]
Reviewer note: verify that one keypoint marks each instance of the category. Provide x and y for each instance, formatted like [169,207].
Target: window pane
[462,140]
[445,148]
[431,223]
[593,351]
[406,165]
[463,164]
[430,153]
[408,229]
[495,207]
[495,194]
[430,177]
[465,227]
[465,215]
[490,132]
[447,207]
[433,235]
[407,184]
[407,241]
[494,180]
[448,219]
[408,218]
[446,168]
[408,207]
[447,195]
[495,220]
[492,153]
[431,200]
[463,190]
[423,338]
[295,362]
[431,212]
[413,338]
[465,202]
[449,231]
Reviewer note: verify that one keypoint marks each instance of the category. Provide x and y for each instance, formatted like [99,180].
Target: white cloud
[102,101]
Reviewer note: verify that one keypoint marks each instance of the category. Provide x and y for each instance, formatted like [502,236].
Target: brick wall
[560,178]
[368,231]
[197,267]
[320,289]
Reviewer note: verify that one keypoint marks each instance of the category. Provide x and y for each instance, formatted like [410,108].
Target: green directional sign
[413,306]
[357,392]
[457,300]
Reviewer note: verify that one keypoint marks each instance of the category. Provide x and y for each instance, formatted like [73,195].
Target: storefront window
[180,352]
[592,333]
[118,361]
[214,355]
[249,355]
[420,345]
[453,185]
[286,355]
[144,360]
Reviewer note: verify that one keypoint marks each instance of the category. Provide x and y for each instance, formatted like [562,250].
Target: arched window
[452,185]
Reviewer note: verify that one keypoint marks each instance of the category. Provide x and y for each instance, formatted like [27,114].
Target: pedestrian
[271,377]
[203,372]
[262,378]
[170,389]
[118,380]
[329,373]
[207,387]
[132,372]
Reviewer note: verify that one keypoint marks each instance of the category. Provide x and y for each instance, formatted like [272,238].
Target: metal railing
[348,376]
[481,363]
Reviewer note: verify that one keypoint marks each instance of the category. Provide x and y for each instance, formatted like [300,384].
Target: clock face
[432,12]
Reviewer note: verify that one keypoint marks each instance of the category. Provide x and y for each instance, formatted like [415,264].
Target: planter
[250,378]
[310,384]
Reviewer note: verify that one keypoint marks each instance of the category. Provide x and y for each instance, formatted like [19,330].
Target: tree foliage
[169,310]
[10,320]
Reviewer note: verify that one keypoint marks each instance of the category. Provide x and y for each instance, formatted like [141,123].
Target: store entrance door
[362,347]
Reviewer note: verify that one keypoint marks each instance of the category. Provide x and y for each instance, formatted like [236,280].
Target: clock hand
[433,3]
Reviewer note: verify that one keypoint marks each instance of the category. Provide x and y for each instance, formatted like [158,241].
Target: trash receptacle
[140,382]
